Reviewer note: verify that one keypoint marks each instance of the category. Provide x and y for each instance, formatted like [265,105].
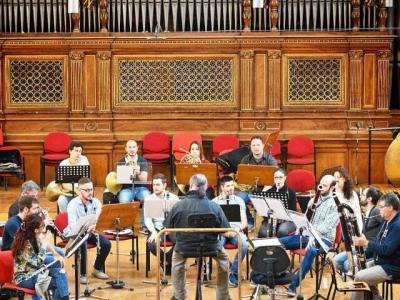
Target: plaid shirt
[326,218]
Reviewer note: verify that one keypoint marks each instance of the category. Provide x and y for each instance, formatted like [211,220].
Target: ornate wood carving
[355,14]
[274,5]
[246,80]
[274,79]
[76,80]
[356,78]
[382,15]
[246,15]
[383,80]
[103,16]
[104,80]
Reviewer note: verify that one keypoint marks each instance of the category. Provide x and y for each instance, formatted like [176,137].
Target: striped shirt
[326,218]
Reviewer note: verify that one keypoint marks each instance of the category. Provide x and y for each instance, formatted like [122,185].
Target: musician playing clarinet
[228,196]
[385,250]
[83,205]
[324,220]
[29,249]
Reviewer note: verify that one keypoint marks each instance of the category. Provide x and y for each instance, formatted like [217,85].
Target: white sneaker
[100,275]
[83,279]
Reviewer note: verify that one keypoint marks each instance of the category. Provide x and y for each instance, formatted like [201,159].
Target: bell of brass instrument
[54,190]
[348,222]
[111,183]
[190,159]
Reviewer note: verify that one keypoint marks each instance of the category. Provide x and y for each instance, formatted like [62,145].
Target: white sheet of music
[124,174]
[266,242]
[260,206]
[155,208]
[277,209]
[84,221]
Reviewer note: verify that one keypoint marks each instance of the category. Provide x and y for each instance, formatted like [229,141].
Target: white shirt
[354,203]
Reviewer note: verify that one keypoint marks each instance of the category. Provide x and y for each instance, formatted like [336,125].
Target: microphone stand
[164,280]
[300,295]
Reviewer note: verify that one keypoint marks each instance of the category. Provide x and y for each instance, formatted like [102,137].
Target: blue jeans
[246,198]
[292,242]
[234,241]
[128,195]
[58,284]
[342,261]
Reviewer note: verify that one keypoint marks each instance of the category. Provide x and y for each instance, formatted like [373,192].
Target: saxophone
[348,222]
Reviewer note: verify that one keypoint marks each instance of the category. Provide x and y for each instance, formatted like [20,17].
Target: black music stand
[232,212]
[117,217]
[71,174]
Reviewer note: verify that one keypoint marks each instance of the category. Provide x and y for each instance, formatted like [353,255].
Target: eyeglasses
[382,206]
[278,177]
[87,190]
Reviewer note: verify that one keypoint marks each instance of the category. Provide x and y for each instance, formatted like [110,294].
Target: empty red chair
[301,151]
[224,142]
[181,142]
[55,150]
[157,149]
[300,180]
[276,152]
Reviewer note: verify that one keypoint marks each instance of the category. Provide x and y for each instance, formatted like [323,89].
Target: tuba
[348,222]
[54,190]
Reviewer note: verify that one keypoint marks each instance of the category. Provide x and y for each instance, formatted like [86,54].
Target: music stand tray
[117,217]
[259,175]
[185,171]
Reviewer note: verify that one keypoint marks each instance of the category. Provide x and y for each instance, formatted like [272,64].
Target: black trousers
[105,247]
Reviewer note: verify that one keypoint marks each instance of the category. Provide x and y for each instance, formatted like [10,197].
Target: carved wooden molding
[356,78]
[104,80]
[274,79]
[383,80]
[355,14]
[246,15]
[246,79]
[76,81]
[274,5]
[75,21]
[103,16]
[382,15]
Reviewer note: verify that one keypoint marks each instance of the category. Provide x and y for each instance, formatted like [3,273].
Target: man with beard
[324,221]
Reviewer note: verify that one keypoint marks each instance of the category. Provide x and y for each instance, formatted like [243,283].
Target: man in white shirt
[228,197]
[75,159]
[164,199]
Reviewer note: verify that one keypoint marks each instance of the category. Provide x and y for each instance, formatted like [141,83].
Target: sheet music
[260,206]
[315,234]
[84,221]
[277,209]
[124,174]
[266,242]
[155,208]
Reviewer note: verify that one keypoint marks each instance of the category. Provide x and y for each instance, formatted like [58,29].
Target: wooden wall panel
[260,91]
[369,81]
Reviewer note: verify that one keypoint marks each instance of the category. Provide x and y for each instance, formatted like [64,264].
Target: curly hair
[26,233]
[348,183]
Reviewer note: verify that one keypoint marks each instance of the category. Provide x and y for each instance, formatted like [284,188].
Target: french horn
[111,183]
[54,190]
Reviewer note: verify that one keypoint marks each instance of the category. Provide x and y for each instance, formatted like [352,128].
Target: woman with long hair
[29,250]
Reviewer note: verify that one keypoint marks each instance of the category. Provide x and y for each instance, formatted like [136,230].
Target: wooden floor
[135,279]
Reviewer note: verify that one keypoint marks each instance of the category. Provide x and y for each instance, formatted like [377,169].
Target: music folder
[232,212]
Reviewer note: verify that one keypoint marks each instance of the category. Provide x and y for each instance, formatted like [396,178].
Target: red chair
[276,152]
[303,183]
[7,276]
[167,244]
[10,155]
[157,149]
[301,151]
[181,142]
[55,150]
[224,142]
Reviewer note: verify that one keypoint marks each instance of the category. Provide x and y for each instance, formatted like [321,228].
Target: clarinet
[310,210]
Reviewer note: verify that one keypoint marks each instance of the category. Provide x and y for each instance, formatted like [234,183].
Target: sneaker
[291,292]
[144,230]
[233,282]
[99,274]
[83,279]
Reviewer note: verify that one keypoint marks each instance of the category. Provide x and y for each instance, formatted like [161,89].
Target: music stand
[71,174]
[185,171]
[258,175]
[126,174]
[232,212]
[117,217]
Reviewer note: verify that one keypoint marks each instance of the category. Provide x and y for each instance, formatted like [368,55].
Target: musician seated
[257,156]
[385,249]
[75,159]
[372,223]
[280,187]
[195,156]
[154,225]
[28,188]
[81,206]
[324,221]
[228,197]
[196,202]
[29,250]
[27,205]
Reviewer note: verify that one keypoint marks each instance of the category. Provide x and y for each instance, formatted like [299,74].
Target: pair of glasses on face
[278,177]
[87,190]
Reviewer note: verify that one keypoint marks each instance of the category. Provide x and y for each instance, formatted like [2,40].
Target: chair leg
[329,291]
[137,253]
[42,174]
[147,260]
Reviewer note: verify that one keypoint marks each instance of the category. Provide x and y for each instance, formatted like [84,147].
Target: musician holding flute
[83,205]
[385,250]
[228,197]
[29,251]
